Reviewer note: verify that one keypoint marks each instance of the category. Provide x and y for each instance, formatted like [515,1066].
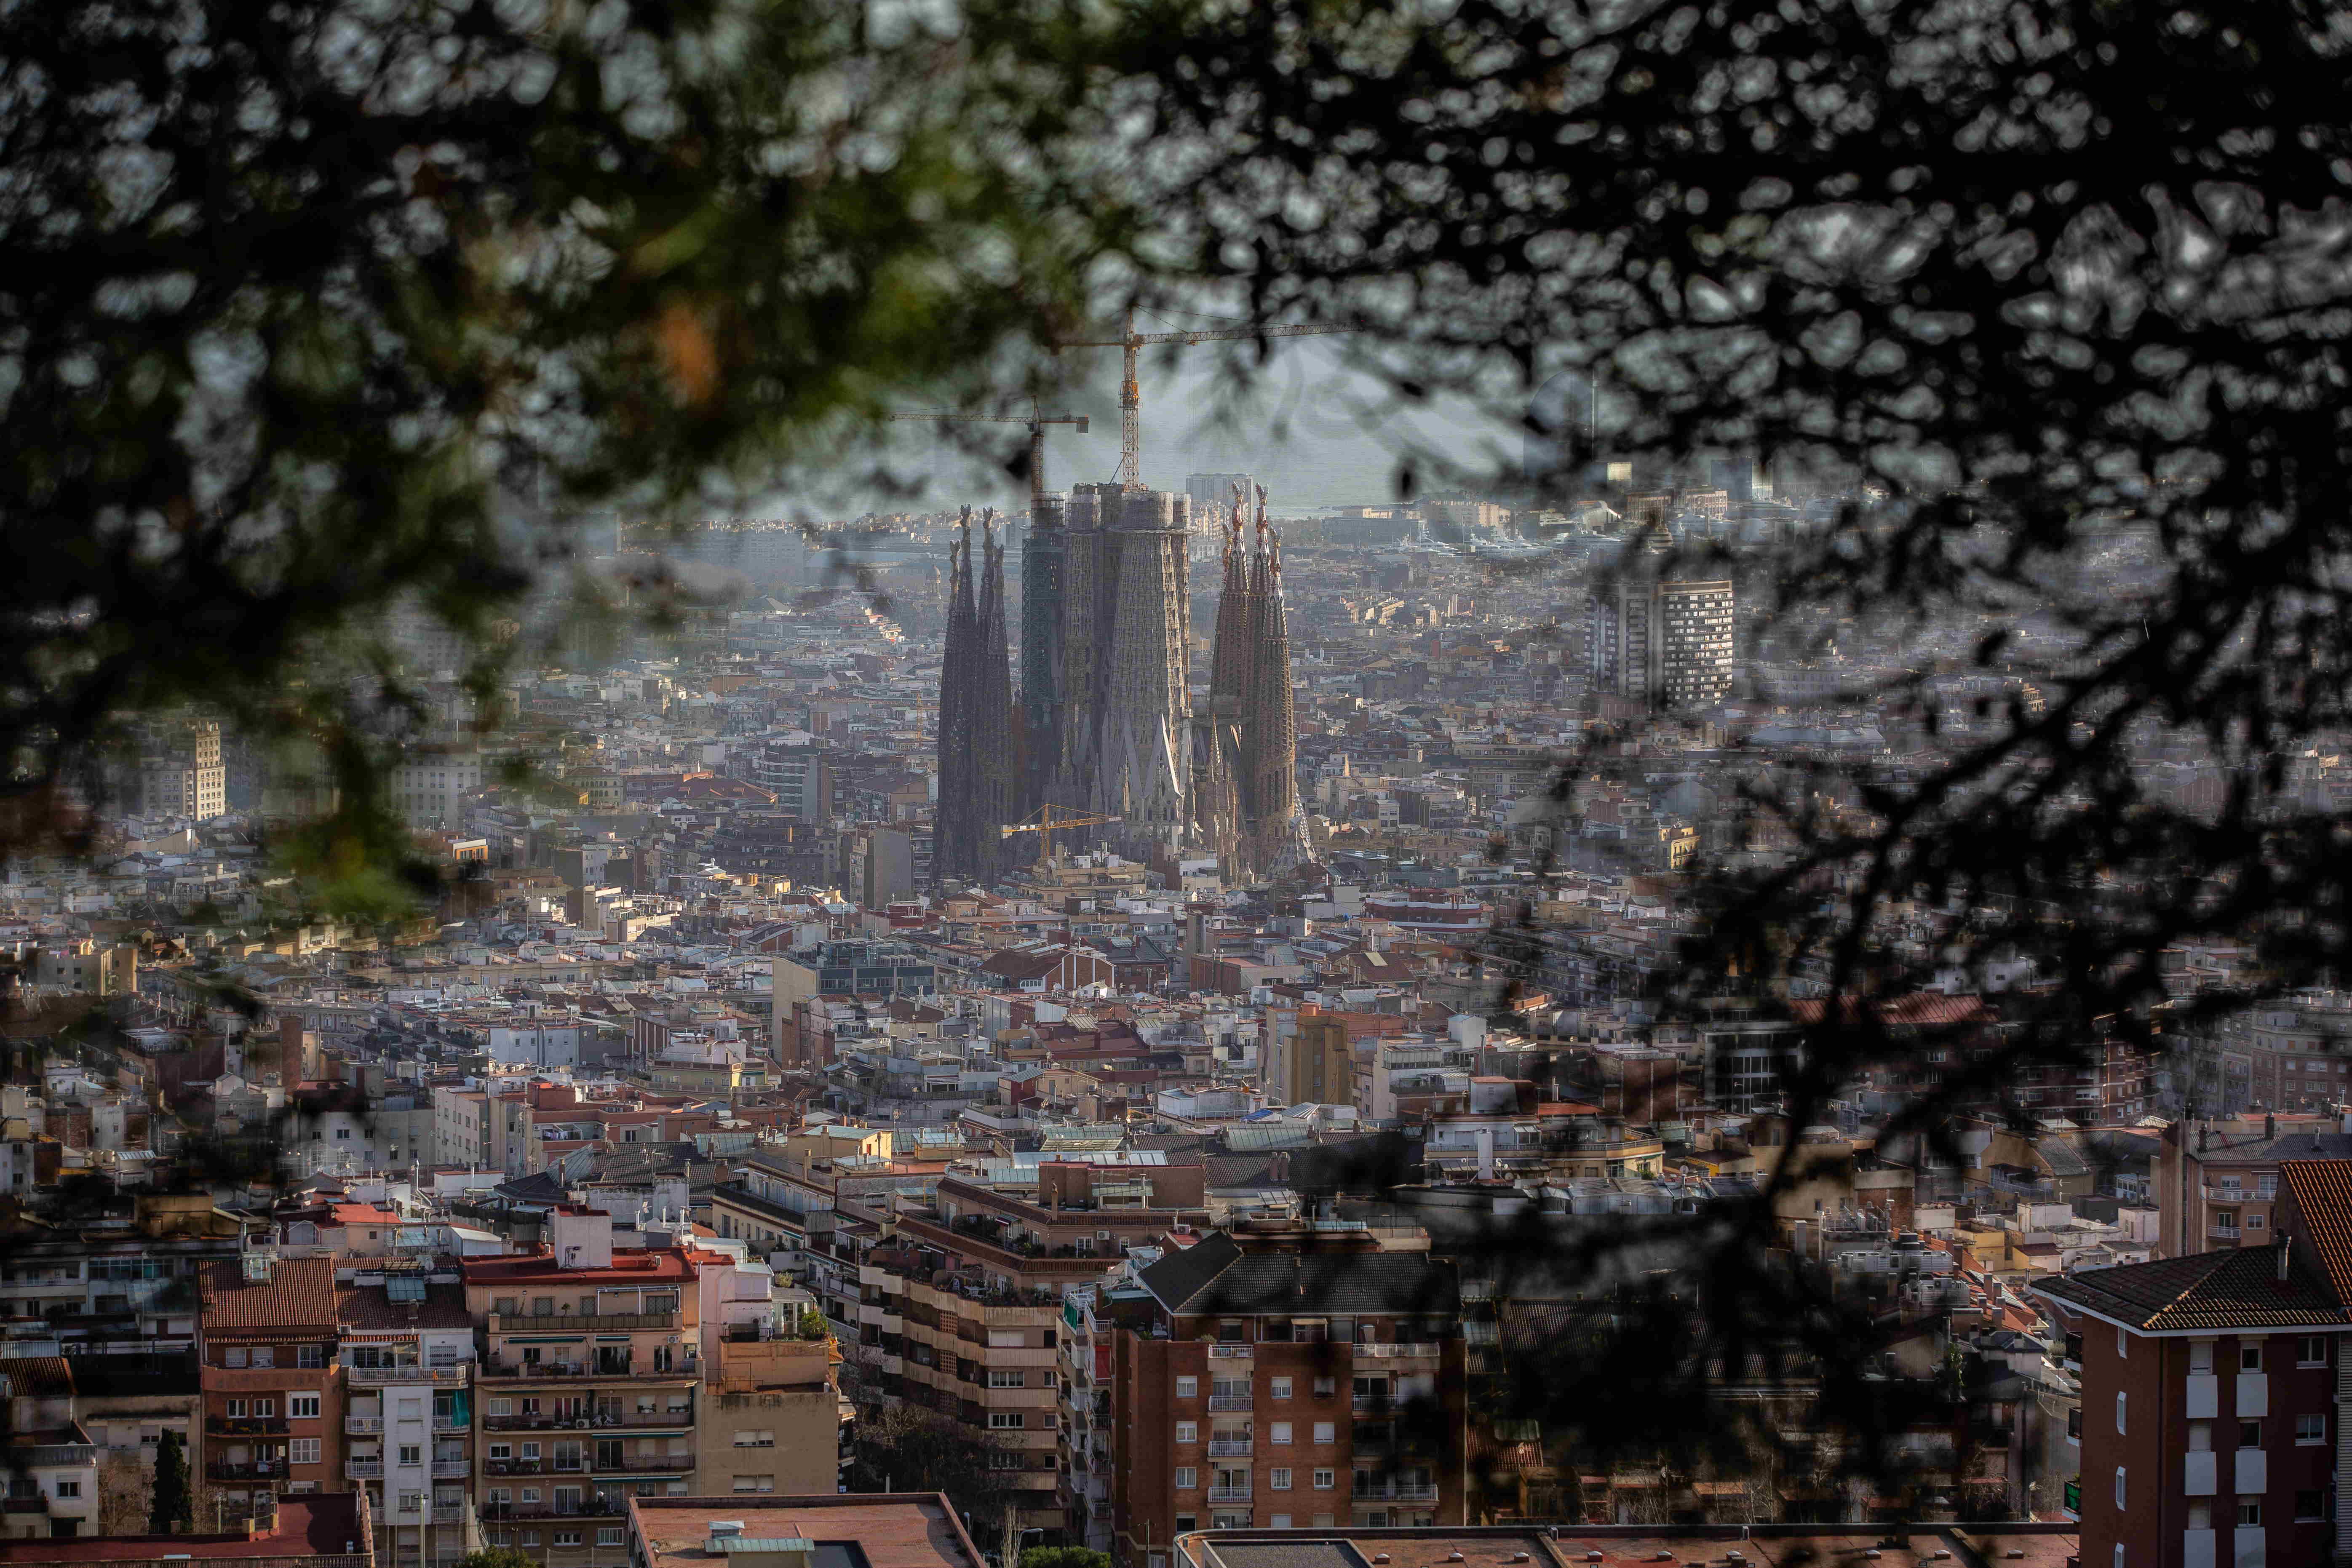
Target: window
[1327,1432]
[69,1488]
[303,1451]
[567,1538]
[2310,1430]
[411,1502]
[2250,1513]
[1185,1521]
[608,1535]
[1004,1377]
[310,1356]
[501,1450]
[1188,1431]
[2249,1434]
[2119,1414]
[765,1437]
[1325,1387]
[1005,1459]
[264,1355]
[412,1454]
[2250,1358]
[2313,1351]
[302,1405]
[1280,1388]
[2119,1485]
[1187,1388]
[755,1483]
[264,1408]
[1279,1432]
[1005,1420]
[1278,1479]
[2200,1358]
[233,1356]
[1280,1521]
[2253,1221]
[236,1408]
[1325,1479]
[499,1407]
[530,1538]
[1187,1477]
[2310,1505]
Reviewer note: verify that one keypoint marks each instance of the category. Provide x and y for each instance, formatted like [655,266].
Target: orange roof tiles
[299,1294]
[2322,1190]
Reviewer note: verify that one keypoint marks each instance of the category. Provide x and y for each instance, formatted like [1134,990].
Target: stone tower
[981,732]
[1245,756]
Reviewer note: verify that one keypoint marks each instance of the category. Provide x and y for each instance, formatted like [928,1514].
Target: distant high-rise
[1665,643]
[1246,753]
[980,732]
[1126,709]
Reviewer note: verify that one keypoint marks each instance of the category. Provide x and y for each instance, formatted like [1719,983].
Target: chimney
[2282,1248]
[2270,1125]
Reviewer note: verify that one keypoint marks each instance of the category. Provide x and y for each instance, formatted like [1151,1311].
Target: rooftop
[891,1530]
[2238,1288]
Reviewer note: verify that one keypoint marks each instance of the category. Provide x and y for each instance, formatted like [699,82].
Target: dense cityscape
[1108,1073]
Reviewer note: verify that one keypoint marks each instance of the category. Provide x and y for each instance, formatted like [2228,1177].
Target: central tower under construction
[1245,752]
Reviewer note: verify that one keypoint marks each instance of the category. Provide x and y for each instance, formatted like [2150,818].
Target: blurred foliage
[320,312]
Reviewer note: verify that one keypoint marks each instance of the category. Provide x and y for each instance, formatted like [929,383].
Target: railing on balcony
[592,1322]
[362,1425]
[1229,1494]
[2225,1232]
[1229,1402]
[245,1425]
[666,1464]
[539,1422]
[450,1469]
[1229,1447]
[438,1376]
[363,1469]
[1230,1352]
[449,1421]
[588,1508]
[528,1371]
[448,1513]
[1408,1349]
[254,1470]
[1400,1491]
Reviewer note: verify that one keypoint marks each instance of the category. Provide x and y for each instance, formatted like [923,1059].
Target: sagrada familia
[1105,723]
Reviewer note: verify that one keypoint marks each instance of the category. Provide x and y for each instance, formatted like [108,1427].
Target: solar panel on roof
[403,1287]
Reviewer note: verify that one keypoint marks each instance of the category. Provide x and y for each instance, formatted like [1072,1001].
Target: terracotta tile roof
[894,1530]
[299,1294]
[628,1268]
[368,1310]
[39,1376]
[2235,1288]
[2322,1190]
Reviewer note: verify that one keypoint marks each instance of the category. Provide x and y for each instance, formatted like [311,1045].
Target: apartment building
[587,1387]
[51,1491]
[2213,1387]
[1284,1375]
[961,1305]
[273,1386]
[118,1284]
[2217,1183]
[406,1345]
[770,1418]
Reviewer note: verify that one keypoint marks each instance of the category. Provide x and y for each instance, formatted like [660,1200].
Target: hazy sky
[1321,434]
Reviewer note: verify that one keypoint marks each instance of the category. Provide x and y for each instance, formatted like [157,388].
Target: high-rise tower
[980,765]
[1245,756]
[1126,619]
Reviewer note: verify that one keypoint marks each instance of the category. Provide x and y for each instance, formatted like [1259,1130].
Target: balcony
[1230,1352]
[363,1469]
[25,1502]
[1229,1402]
[552,1371]
[245,1425]
[573,1322]
[589,1508]
[450,1469]
[437,1376]
[254,1470]
[2220,1232]
[1229,1494]
[444,1421]
[2199,1474]
[658,1464]
[1401,1491]
[1409,1351]
[1229,1447]
[673,1420]
[362,1426]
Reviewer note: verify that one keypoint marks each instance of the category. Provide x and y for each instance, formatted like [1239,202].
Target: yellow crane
[1043,821]
[1130,392]
[1036,423]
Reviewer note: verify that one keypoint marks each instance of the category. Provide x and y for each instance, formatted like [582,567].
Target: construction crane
[1036,423]
[1043,821]
[1130,392]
